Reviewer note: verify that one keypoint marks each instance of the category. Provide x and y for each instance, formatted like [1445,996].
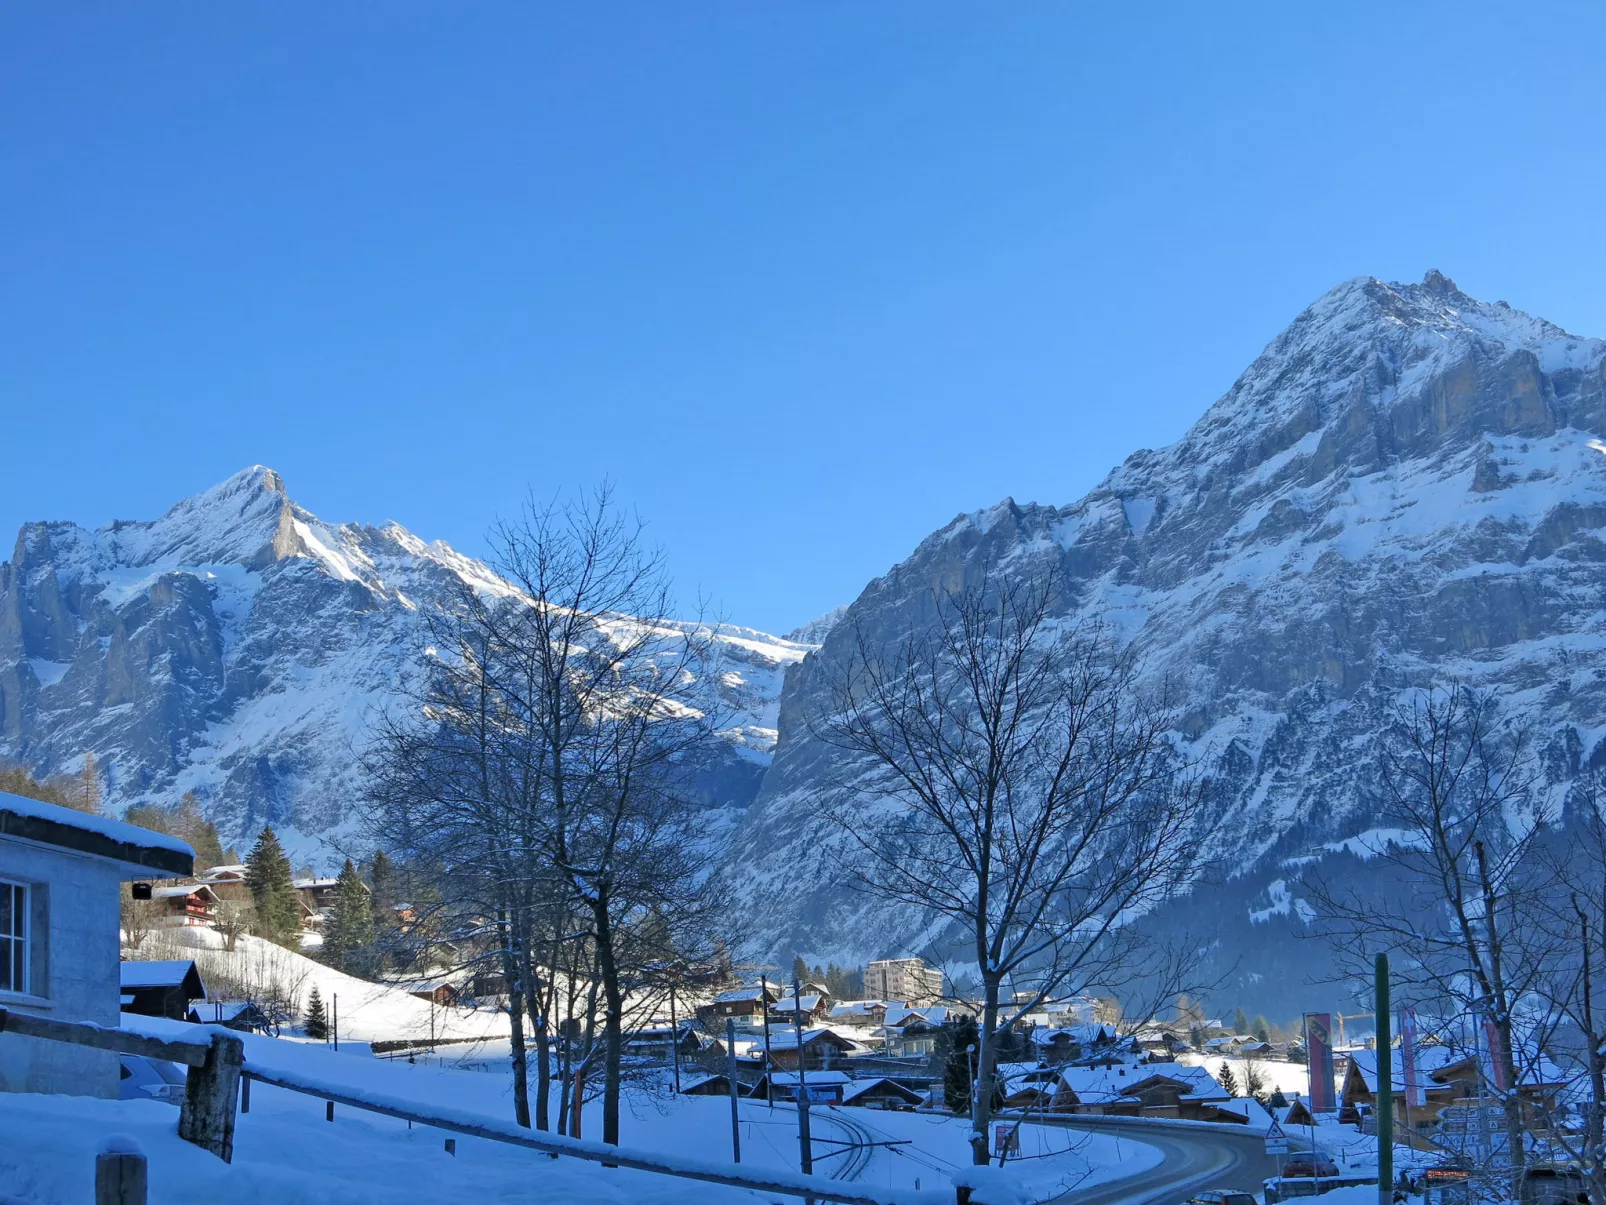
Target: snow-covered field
[286,1153]
[367,1012]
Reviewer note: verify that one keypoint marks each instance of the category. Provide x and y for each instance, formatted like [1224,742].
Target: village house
[813,1009]
[747,1006]
[226,882]
[821,1048]
[186,904]
[709,1085]
[881,1093]
[913,1030]
[160,989]
[861,1014]
[242,1015]
[1144,1090]
[61,879]
[1446,1078]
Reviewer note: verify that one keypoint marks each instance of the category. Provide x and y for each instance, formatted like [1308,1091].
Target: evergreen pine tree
[382,878]
[1240,1021]
[800,969]
[1261,1028]
[87,797]
[959,1071]
[267,874]
[349,935]
[316,1024]
[1227,1080]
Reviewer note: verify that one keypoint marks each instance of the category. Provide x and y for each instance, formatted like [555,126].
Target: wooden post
[120,1174]
[245,1091]
[210,1093]
[328,1110]
[451,1147]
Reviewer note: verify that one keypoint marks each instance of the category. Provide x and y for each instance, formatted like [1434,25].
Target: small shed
[823,1087]
[709,1085]
[442,992]
[161,989]
[242,1015]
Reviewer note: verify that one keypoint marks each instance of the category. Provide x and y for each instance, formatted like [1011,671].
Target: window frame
[23,895]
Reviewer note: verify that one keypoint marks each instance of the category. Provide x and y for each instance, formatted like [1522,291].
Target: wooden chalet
[1448,1078]
[242,1015]
[821,1048]
[815,1008]
[442,992]
[861,1014]
[1143,1090]
[748,1006]
[882,1093]
[186,903]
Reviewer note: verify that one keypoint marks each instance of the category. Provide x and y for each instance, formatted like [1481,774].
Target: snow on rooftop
[167,973]
[114,830]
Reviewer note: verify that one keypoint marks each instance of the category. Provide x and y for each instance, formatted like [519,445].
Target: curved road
[1196,1158]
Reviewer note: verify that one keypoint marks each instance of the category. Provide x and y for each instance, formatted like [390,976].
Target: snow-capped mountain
[1408,484]
[239,647]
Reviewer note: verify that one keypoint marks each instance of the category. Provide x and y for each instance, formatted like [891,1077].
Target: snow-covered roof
[312,884]
[806,1004]
[167,973]
[1530,1070]
[899,1016]
[856,1008]
[140,850]
[187,889]
[1092,1084]
[785,1039]
[860,1086]
[738,995]
[814,1079]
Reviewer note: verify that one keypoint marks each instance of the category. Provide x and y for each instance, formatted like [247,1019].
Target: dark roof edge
[87,841]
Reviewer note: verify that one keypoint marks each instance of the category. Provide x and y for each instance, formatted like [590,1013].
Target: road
[1196,1158]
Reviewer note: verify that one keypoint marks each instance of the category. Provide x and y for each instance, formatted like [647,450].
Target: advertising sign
[1319,1045]
[1497,1064]
[1006,1138]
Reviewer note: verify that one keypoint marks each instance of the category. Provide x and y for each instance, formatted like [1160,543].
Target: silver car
[151,1079]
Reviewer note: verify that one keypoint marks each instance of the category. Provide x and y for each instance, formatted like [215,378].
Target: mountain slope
[240,647]
[1406,484]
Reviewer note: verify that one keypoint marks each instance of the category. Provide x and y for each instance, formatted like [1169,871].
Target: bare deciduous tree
[1467,938]
[1028,799]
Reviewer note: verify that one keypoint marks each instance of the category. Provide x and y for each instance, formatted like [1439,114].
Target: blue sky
[805,279]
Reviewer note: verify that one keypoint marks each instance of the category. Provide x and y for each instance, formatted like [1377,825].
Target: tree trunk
[982,1105]
[612,1019]
[513,973]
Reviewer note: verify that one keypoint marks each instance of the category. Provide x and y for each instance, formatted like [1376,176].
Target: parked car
[1223,1196]
[151,1079]
[1305,1167]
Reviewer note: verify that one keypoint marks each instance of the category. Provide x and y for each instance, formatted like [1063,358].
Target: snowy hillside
[1407,483]
[239,647]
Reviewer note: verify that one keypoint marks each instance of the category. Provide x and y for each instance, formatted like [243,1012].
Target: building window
[13,937]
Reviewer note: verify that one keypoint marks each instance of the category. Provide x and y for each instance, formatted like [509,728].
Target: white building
[61,884]
[906,979]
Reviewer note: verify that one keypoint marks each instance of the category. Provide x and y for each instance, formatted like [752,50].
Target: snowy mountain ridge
[239,646]
[1406,485]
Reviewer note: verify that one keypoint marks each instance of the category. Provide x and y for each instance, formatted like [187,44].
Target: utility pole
[1385,1089]
[334,1019]
[764,1015]
[730,1074]
[804,1144]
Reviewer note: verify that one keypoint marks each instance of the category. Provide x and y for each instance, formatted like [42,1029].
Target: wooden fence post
[120,1173]
[210,1091]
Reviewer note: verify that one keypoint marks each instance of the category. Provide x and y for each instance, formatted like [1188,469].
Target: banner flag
[1415,1092]
[1319,1056]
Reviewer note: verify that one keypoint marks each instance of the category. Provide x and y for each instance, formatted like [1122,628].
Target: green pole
[1385,1089]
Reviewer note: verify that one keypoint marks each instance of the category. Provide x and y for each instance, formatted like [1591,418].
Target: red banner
[1416,1094]
[1319,1053]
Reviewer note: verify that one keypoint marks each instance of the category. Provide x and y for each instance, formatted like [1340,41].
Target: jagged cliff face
[1405,486]
[240,648]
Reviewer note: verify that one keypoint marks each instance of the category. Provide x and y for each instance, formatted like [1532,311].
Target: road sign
[1276,1140]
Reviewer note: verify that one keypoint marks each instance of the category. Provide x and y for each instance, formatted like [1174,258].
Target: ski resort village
[777,603]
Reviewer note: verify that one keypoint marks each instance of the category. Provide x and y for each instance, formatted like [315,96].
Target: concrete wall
[75,901]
